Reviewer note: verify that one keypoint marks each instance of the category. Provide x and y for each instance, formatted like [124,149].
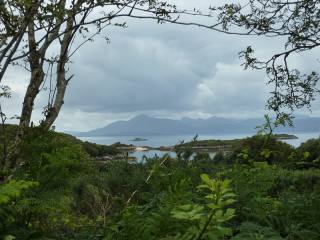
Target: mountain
[140,125]
[143,125]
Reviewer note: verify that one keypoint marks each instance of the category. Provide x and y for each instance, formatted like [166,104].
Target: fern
[252,231]
[13,189]
[206,221]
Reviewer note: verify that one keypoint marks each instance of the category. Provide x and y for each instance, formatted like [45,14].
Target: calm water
[169,140]
[157,141]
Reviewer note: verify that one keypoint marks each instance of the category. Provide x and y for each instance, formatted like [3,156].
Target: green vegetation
[253,192]
[310,150]
[255,143]
[258,149]
[97,150]
[53,187]
[93,149]
[138,139]
[212,143]
[285,136]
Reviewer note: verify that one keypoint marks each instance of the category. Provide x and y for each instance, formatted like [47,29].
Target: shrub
[309,151]
[258,149]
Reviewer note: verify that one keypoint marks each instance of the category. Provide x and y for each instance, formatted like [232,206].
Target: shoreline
[213,145]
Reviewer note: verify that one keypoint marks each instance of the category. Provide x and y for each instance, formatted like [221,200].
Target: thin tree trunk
[37,77]
[36,59]
[3,138]
[53,112]
[62,82]
[36,80]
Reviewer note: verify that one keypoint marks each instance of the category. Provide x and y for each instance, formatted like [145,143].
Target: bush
[97,150]
[259,149]
[309,151]
[75,198]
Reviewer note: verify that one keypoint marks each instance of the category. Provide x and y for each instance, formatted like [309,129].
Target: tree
[14,19]
[32,28]
[4,93]
[296,21]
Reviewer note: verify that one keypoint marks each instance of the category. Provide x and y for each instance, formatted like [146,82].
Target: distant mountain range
[143,125]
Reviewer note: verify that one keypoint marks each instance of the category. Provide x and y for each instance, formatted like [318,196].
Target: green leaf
[9,237]
[14,189]
[205,178]
[306,155]
[188,212]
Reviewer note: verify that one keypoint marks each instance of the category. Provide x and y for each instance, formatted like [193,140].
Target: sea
[170,140]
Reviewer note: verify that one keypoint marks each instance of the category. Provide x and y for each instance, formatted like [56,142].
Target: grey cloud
[170,69]
[134,74]
[232,88]
[165,70]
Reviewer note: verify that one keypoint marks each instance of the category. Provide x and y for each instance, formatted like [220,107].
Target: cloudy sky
[161,70]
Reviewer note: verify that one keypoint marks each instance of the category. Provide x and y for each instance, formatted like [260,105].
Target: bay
[158,140]
[170,140]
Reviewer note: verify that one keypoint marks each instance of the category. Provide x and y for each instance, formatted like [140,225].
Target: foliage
[167,216]
[55,161]
[208,223]
[219,157]
[30,30]
[277,198]
[257,149]
[37,135]
[252,231]
[98,150]
[297,23]
[72,196]
[309,151]
[66,195]
[10,192]
[13,189]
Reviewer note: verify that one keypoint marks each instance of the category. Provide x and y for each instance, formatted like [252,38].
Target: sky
[162,70]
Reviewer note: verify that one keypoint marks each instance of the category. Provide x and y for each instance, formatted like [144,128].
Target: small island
[138,139]
[211,145]
[283,136]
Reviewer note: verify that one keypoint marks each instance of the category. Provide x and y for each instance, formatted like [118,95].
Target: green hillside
[255,191]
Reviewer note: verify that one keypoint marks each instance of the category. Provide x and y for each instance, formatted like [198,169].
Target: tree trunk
[62,82]
[36,59]
[37,77]
[53,112]
[33,89]
[36,80]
